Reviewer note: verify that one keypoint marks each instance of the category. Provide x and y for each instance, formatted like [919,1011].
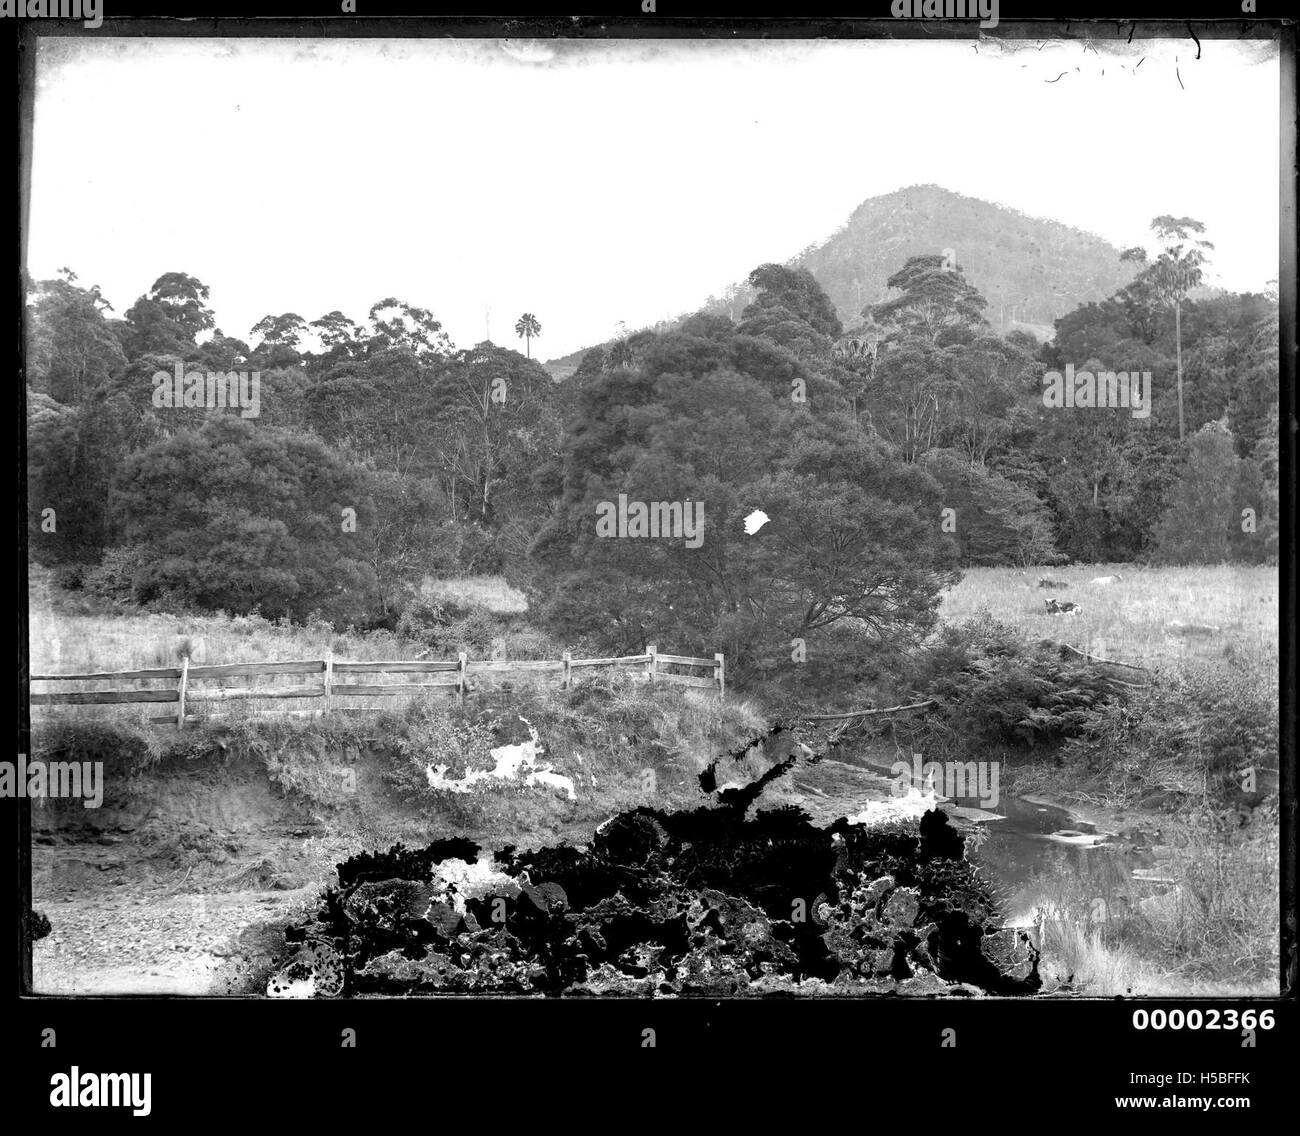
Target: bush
[1193,733]
[422,620]
[124,754]
[431,736]
[1223,914]
[70,577]
[114,577]
[995,689]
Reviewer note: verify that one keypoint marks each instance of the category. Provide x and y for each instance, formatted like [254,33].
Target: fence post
[329,679]
[180,691]
[720,671]
[461,660]
[652,663]
[568,668]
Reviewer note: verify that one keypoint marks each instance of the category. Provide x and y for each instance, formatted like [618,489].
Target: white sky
[593,182]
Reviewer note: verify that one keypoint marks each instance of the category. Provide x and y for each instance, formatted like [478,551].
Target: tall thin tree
[526,327]
[1178,269]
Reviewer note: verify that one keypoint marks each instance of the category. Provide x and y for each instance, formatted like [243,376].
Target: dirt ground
[183,895]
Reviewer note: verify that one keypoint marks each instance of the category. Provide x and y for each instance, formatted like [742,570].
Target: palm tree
[527,326]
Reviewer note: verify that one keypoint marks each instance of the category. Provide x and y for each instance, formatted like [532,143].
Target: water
[1040,855]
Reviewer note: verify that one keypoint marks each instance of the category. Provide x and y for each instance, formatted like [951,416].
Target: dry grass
[66,639]
[70,643]
[1103,969]
[1216,930]
[1129,620]
[1213,930]
[491,593]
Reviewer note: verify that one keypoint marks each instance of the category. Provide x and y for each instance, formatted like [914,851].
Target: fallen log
[868,713]
[1095,659]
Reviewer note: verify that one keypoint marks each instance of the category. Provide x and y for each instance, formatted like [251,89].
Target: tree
[705,421]
[488,406]
[281,331]
[996,521]
[339,336]
[620,354]
[71,349]
[910,389]
[936,304]
[791,309]
[239,516]
[1198,519]
[380,409]
[395,323]
[855,357]
[403,542]
[169,317]
[990,376]
[226,353]
[1104,473]
[1178,269]
[526,326]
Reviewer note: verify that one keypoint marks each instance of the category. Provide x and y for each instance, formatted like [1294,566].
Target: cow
[1105,581]
[1048,582]
[1065,608]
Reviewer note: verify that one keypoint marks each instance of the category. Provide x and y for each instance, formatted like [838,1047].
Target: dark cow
[1063,608]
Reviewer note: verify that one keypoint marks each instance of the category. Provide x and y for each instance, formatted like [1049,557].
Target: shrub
[114,577]
[70,577]
[995,689]
[422,620]
[124,754]
[1192,733]
[432,736]
[1223,918]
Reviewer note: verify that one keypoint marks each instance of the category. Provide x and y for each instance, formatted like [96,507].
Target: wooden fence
[321,679]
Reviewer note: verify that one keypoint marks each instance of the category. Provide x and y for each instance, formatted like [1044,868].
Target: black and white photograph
[656,518]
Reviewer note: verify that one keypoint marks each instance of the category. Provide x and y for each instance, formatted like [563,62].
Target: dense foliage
[886,451]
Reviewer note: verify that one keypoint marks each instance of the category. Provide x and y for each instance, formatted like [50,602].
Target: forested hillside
[1030,270]
[886,455]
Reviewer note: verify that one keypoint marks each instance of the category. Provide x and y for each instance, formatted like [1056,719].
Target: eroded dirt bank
[213,880]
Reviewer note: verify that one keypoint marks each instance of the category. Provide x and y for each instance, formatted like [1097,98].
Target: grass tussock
[1212,930]
[1204,735]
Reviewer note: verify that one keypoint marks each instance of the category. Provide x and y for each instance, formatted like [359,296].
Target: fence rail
[458,671]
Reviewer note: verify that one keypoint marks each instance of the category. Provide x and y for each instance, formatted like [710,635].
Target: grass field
[70,635]
[490,593]
[1130,620]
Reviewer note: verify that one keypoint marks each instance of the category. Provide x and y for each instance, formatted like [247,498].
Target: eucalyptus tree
[1176,271]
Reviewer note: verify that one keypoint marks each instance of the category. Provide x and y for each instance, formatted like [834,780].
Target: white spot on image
[510,760]
[910,806]
[755,521]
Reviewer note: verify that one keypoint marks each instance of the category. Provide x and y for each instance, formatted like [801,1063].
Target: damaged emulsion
[706,901]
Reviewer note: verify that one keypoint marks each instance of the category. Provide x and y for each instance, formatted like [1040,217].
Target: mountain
[1030,270]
